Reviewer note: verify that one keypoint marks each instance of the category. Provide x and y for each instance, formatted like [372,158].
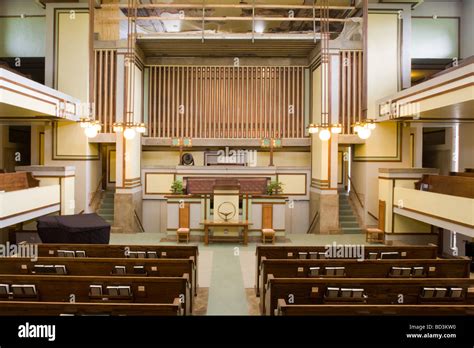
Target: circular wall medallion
[226,211]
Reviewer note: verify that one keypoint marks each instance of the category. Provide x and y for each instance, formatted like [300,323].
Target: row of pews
[97,279]
[459,184]
[388,280]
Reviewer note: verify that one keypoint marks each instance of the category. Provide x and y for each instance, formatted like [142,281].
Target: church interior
[236,157]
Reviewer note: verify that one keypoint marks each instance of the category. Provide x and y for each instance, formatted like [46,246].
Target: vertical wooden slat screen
[226,102]
[351,89]
[105,82]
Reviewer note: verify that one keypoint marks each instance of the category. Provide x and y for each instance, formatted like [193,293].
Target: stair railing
[355,192]
[97,191]
[313,222]
[142,229]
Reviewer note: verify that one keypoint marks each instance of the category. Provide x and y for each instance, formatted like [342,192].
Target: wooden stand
[375,235]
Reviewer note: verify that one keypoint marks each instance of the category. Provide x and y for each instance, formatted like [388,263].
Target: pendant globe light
[324,129]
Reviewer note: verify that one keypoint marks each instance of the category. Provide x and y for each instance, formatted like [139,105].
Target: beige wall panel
[158,183]
[447,99]
[256,216]
[169,158]
[445,206]
[48,181]
[403,224]
[383,58]
[293,184]
[67,194]
[173,216]
[320,158]
[382,143]
[72,59]
[278,216]
[292,159]
[132,157]
[195,217]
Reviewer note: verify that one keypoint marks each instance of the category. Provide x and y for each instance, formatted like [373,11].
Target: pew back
[454,185]
[17,181]
[293,252]
[126,251]
[100,266]
[96,289]
[371,291]
[434,268]
[28,308]
[285,309]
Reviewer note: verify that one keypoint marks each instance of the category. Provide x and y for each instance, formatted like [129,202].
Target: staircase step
[105,212]
[351,230]
[347,218]
[346,224]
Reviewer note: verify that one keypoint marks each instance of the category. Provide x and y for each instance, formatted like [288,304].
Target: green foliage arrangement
[274,188]
[177,187]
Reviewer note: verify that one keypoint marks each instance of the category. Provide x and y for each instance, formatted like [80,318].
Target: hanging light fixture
[129,133]
[140,128]
[336,128]
[313,128]
[364,128]
[128,127]
[325,129]
[364,132]
[324,134]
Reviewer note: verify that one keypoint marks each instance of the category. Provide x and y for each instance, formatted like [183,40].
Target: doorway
[343,167]
[439,150]
[16,147]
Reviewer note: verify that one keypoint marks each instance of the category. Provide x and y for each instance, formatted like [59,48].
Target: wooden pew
[292,252]
[29,308]
[61,288]
[468,174]
[461,186]
[373,291]
[17,181]
[285,309]
[88,266]
[294,268]
[121,251]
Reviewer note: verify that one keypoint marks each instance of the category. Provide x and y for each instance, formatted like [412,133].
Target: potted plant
[274,188]
[177,187]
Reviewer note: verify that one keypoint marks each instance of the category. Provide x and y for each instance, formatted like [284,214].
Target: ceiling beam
[221,6]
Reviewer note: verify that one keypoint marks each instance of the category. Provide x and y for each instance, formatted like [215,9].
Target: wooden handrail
[142,229]
[96,190]
[355,191]
[315,219]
